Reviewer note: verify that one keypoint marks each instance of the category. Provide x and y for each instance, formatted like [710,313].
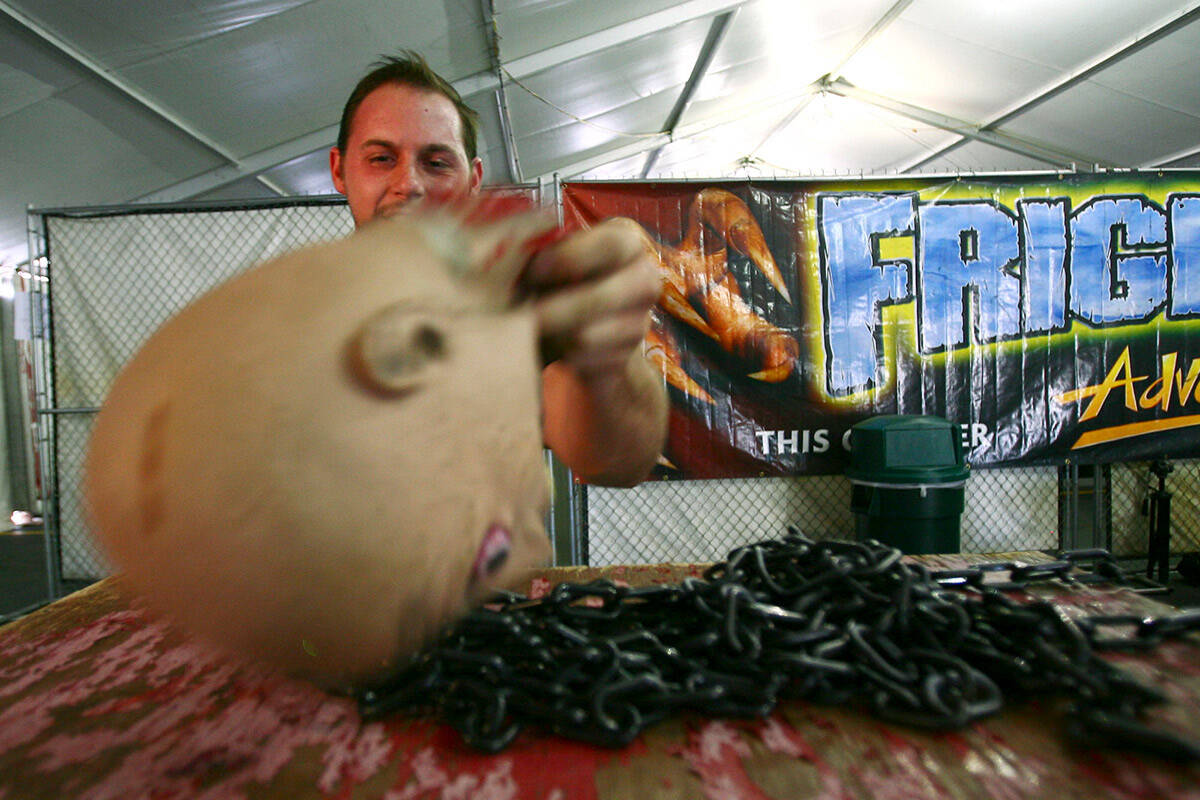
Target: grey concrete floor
[22,570]
[1183,595]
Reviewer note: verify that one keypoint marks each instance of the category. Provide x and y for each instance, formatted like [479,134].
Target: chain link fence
[1132,486]
[117,274]
[114,276]
[1005,509]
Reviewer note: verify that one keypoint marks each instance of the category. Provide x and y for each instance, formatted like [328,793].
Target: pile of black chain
[831,622]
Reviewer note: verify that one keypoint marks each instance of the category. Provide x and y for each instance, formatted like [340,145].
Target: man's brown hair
[409,69]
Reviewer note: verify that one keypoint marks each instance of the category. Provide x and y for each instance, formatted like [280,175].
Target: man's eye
[379,159]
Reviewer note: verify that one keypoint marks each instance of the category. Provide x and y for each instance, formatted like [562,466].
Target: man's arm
[608,429]
[605,406]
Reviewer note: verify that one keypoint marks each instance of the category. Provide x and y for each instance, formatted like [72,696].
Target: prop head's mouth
[493,553]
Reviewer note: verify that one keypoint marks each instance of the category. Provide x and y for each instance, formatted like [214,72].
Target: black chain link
[830,622]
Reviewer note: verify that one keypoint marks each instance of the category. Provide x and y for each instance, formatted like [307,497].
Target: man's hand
[592,295]
[605,407]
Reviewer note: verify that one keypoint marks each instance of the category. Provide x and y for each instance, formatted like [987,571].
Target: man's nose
[405,180]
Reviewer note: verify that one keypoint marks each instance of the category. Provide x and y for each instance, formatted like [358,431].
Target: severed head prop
[324,461]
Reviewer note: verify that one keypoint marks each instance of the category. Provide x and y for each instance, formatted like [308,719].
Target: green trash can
[907,476]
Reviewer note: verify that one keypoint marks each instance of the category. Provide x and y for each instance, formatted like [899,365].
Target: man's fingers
[592,293]
[562,313]
[617,332]
[605,344]
[585,255]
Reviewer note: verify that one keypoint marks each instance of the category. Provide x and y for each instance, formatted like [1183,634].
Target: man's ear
[476,174]
[335,169]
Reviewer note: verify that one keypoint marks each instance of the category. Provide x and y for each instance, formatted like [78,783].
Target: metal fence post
[1085,524]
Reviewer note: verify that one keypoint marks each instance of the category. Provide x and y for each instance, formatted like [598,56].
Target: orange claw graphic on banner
[699,291]
[726,214]
[662,352]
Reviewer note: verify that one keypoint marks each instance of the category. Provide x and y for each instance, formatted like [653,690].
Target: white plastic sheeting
[104,103]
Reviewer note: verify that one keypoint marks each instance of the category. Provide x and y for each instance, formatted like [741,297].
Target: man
[406,137]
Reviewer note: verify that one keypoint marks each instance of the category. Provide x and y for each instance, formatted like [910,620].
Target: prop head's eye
[391,351]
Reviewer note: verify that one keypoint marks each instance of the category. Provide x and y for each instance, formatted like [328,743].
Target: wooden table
[98,701]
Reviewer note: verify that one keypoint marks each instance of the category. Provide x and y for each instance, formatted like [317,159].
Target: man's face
[404,146]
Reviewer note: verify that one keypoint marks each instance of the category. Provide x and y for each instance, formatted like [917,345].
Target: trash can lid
[908,449]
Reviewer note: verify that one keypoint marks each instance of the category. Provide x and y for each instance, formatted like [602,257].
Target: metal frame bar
[488,10]
[581,537]
[843,88]
[16,432]
[488,81]
[712,41]
[109,76]
[890,16]
[568,541]
[672,17]
[43,374]
[248,166]
[1099,64]
[1072,535]
[858,177]
[562,522]
[1171,158]
[582,166]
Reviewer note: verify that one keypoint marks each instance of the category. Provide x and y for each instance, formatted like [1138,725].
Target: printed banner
[1051,317]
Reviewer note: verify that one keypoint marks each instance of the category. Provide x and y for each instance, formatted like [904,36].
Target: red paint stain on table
[906,773]
[1001,772]
[534,766]
[1126,780]
[539,588]
[714,751]
[779,736]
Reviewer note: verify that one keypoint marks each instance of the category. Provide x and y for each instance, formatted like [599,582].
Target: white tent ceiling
[117,101]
